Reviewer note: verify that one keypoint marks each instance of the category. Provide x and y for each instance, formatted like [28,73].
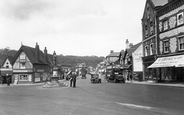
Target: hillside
[63,60]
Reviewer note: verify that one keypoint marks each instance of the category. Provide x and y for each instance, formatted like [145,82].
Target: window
[23,77]
[23,65]
[165,24]
[166,46]
[146,28]
[180,18]
[151,49]
[146,50]
[151,27]
[181,43]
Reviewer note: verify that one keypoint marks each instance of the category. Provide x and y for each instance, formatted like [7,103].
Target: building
[169,64]
[112,58]
[150,36]
[129,59]
[6,69]
[31,65]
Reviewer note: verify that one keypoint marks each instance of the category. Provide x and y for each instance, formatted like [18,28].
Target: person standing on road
[74,77]
[71,79]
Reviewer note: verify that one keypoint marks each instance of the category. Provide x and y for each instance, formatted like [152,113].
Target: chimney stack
[45,54]
[54,58]
[127,44]
[111,51]
[37,50]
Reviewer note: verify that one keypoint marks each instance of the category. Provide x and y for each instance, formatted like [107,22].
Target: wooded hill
[63,60]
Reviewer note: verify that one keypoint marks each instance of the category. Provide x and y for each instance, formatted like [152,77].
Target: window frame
[178,16]
[180,43]
[164,46]
[26,76]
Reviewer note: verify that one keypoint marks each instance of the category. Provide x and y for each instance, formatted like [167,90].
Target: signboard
[40,70]
[137,59]
[22,70]
[170,61]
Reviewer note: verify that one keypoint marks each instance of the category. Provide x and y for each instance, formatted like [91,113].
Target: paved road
[92,99]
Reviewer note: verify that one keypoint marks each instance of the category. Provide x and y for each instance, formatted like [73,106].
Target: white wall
[137,59]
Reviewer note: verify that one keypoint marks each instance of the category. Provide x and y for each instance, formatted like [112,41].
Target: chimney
[111,51]
[127,44]
[54,58]
[45,54]
[37,50]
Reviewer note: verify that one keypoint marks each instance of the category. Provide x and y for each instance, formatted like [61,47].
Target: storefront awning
[171,61]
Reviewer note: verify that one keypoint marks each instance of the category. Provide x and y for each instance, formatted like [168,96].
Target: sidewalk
[181,85]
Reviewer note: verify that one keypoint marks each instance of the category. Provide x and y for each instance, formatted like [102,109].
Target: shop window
[180,18]
[166,46]
[181,43]
[165,24]
[151,49]
[23,77]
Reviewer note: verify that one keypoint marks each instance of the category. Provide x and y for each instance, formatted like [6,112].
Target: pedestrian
[130,75]
[71,79]
[74,77]
[8,81]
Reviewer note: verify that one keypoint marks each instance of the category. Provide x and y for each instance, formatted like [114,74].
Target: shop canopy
[171,61]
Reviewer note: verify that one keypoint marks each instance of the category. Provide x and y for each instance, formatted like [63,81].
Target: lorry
[114,74]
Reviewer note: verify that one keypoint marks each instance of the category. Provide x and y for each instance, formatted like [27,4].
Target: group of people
[73,78]
[7,80]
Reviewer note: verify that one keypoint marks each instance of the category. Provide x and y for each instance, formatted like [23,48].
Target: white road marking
[135,106]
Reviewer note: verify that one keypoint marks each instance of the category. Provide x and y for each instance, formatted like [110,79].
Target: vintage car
[95,78]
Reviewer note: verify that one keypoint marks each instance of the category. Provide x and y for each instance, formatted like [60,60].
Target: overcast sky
[71,27]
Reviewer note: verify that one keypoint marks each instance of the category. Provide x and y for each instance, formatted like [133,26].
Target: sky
[71,27]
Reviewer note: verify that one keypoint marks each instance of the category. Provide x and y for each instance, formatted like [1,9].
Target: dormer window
[180,18]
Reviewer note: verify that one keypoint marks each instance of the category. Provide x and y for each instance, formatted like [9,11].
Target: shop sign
[40,70]
[22,71]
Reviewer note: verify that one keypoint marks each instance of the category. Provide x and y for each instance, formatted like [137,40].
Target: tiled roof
[159,2]
[10,58]
[114,54]
[30,53]
[133,48]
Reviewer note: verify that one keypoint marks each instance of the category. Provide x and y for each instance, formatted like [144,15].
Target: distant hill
[64,60]
[73,60]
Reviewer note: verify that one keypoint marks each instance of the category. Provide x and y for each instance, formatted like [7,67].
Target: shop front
[148,73]
[22,76]
[5,75]
[171,68]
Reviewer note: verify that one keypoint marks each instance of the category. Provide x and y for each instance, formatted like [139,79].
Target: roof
[133,48]
[30,53]
[159,2]
[114,54]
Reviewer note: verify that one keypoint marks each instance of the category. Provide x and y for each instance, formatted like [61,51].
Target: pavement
[180,85]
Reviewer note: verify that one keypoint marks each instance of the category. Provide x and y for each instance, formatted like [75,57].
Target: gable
[7,63]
